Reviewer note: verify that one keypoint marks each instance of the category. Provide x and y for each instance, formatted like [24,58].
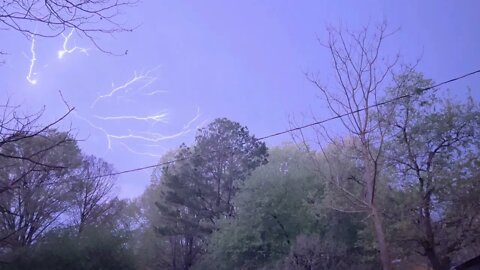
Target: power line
[419,91]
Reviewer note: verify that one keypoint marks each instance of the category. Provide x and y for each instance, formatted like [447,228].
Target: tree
[92,192]
[271,212]
[50,18]
[199,188]
[279,225]
[434,150]
[97,248]
[313,252]
[225,154]
[152,250]
[41,195]
[186,215]
[14,129]
[360,72]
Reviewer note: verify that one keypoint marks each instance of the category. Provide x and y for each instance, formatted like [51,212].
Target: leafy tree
[151,249]
[313,252]
[97,248]
[434,150]
[276,214]
[225,154]
[272,211]
[92,192]
[199,189]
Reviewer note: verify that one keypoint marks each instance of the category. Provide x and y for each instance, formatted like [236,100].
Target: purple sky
[198,60]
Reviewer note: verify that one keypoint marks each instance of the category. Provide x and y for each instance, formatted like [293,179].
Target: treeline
[57,209]
[229,203]
[390,187]
[225,207]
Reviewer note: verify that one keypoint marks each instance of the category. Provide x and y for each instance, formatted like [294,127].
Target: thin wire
[419,91]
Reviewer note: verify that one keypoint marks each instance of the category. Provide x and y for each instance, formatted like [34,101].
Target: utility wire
[419,91]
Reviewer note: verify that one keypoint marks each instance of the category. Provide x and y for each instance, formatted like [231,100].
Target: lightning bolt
[146,142]
[160,117]
[155,92]
[107,135]
[32,63]
[145,78]
[140,153]
[156,145]
[189,123]
[66,39]
[151,137]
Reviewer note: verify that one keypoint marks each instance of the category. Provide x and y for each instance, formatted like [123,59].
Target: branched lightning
[160,117]
[138,152]
[145,78]
[149,136]
[155,92]
[189,123]
[107,135]
[156,145]
[150,139]
[149,142]
[32,63]
[65,50]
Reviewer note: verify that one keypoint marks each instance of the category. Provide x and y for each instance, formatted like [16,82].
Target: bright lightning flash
[149,136]
[161,117]
[65,50]
[138,152]
[155,92]
[144,78]
[189,123]
[145,137]
[139,84]
[32,63]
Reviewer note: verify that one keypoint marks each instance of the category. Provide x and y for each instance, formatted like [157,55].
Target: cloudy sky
[189,62]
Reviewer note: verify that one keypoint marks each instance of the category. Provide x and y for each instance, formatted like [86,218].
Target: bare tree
[92,192]
[361,72]
[34,158]
[42,194]
[15,128]
[50,18]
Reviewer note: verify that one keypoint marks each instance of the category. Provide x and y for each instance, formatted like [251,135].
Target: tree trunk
[370,180]
[429,246]
[434,260]
[380,235]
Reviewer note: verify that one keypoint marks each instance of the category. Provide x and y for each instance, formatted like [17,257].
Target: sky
[189,62]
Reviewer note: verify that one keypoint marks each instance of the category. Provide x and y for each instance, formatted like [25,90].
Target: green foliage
[222,206]
[432,154]
[275,210]
[97,248]
[314,252]
[199,190]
